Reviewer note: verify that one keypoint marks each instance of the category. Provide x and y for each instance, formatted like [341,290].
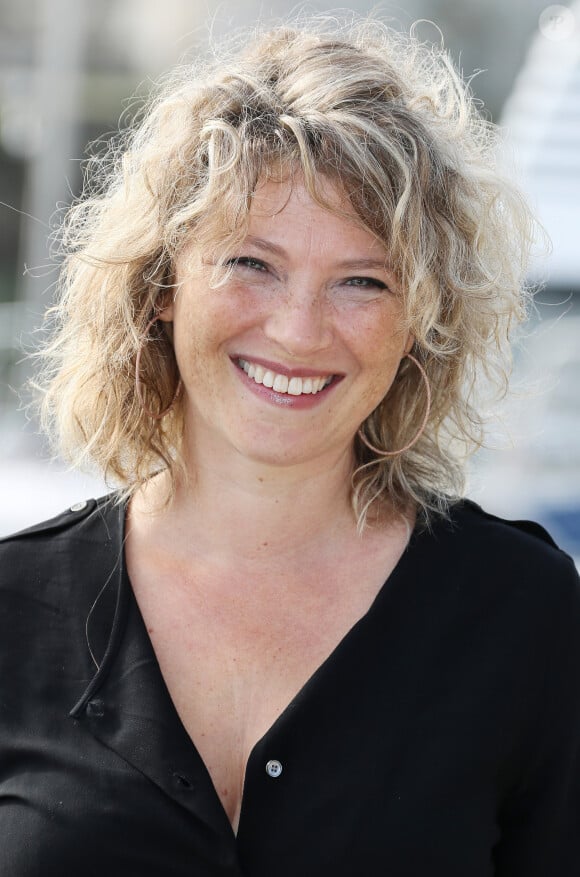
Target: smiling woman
[285,643]
[387,123]
[288,310]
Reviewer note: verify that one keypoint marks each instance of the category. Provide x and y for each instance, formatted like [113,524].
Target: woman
[284,645]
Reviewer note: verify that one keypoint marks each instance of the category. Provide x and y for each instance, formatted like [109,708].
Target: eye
[366,283]
[247,262]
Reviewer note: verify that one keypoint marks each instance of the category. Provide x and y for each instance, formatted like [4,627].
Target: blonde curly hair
[381,115]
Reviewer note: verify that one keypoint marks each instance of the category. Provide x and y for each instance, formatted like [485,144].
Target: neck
[252,511]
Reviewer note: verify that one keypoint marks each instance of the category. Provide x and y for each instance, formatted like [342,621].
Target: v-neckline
[301,694]
[134,669]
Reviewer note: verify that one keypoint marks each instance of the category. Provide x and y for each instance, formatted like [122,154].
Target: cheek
[205,331]
[379,346]
[377,339]
[199,321]
[379,382]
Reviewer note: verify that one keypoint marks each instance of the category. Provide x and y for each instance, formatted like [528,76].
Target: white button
[274,768]
[79,506]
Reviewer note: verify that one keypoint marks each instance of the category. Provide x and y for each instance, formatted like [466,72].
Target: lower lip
[287,400]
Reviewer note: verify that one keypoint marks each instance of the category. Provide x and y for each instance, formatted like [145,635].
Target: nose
[300,321]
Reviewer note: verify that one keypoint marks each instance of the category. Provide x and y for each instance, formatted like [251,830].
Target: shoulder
[71,520]
[500,539]
[53,581]
[61,552]
[517,562]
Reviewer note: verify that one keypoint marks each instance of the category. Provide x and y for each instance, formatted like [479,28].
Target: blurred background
[69,69]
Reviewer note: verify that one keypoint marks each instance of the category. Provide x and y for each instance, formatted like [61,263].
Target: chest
[229,690]
[233,658]
[389,764]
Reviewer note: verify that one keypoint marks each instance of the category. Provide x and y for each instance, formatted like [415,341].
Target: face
[283,362]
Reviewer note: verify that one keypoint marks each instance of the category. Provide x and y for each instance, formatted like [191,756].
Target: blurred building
[541,119]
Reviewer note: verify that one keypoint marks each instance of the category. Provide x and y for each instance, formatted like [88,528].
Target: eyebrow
[351,264]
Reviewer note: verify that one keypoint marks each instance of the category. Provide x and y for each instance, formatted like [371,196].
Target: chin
[283,453]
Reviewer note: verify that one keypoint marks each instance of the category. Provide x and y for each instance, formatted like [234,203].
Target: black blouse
[441,736]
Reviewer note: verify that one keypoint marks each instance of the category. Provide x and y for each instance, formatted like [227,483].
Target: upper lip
[280,369]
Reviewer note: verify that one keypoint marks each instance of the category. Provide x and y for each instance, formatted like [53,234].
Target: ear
[165,306]
[409,343]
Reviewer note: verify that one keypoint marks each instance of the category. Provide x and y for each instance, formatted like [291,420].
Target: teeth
[281,383]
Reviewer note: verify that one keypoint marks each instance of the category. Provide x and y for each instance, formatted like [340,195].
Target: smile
[282,383]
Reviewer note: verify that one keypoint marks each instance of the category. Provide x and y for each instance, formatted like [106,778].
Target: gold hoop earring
[416,438]
[138,391]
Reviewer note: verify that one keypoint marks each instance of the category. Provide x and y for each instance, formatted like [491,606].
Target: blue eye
[366,282]
[247,262]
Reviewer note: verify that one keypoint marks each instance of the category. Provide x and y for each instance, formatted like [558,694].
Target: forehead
[274,196]
[287,210]
[282,216]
